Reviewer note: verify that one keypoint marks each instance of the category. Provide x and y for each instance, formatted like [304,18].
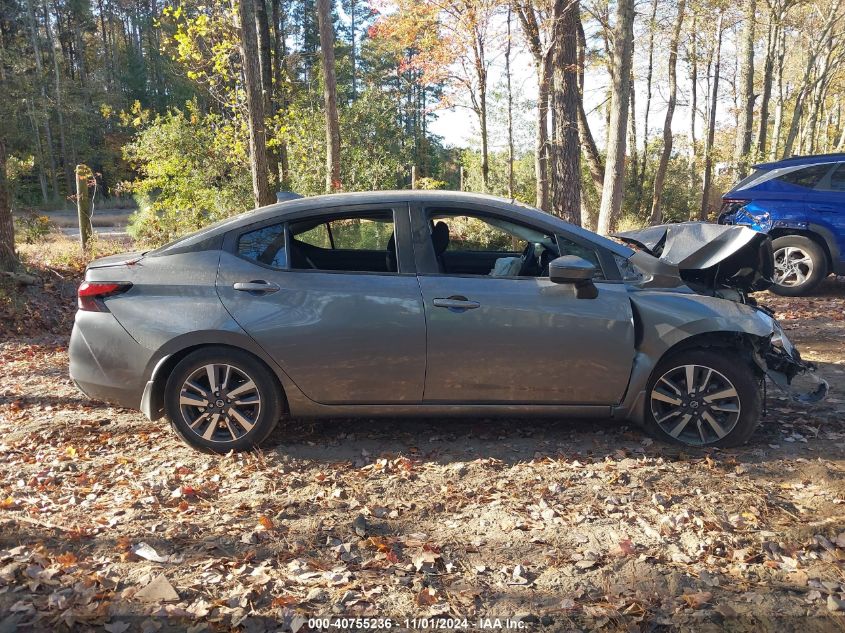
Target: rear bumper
[105,362]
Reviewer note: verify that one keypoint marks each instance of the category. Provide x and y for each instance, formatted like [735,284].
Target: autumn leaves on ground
[108,521]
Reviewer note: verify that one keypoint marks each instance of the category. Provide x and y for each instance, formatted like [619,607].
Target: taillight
[729,207]
[91,294]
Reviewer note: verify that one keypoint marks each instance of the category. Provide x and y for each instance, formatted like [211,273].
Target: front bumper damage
[782,363]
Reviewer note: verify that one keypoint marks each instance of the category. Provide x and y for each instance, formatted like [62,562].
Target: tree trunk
[324,18]
[656,216]
[693,106]
[614,171]
[279,82]
[261,191]
[648,93]
[766,96]
[541,147]
[39,67]
[68,172]
[711,123]
[542,64]
[83,206]
[588,143]
[745,125]
[778,124]
[566,155]
[8,259]
[262,26]
[510,104]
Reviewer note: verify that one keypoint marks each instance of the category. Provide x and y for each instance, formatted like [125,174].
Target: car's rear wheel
[702,398]
[222,399]
[800,265]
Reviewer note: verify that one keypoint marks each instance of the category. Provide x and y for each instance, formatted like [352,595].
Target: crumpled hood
[711,255]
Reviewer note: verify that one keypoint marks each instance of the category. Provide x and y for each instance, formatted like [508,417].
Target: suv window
[807,177]
[264,246]
[353,243]
[837,178]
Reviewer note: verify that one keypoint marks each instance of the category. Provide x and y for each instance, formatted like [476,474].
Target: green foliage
[32,228]
[372,146]
[524,189]
[192,170]
[431,183]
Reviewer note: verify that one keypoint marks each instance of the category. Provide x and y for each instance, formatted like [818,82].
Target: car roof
[313,204]
[792,161]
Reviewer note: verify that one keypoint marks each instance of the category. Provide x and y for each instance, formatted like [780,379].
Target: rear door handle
[456,303]
[257,287]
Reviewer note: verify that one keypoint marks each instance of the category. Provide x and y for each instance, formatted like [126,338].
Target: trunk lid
[121,259]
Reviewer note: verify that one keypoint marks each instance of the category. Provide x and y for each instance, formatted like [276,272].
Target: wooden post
[413,176]
[83,206]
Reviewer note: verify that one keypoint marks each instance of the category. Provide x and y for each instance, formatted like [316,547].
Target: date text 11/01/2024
[434,624]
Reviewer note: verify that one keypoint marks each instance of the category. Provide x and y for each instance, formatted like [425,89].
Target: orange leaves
[9,503]
[67,559]
[266,523]
[283,601]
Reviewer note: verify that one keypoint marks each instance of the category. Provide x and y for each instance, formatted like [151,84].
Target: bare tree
[711,119]
[537,37]
[656,216]
[825,41]
[324,17]
[254,103]
[510,103]
[566,154]
[614,169]
[745,123]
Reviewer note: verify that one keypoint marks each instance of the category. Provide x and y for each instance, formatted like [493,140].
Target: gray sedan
[433,303]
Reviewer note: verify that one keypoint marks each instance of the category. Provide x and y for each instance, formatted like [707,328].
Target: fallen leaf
[159,590]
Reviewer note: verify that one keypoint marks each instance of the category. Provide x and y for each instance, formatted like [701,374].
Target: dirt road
[106,519]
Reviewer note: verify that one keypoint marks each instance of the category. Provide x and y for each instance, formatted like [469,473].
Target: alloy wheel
[220,403]
[793,266]
[695,404]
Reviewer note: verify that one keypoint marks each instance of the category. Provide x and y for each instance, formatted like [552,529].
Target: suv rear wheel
[702,398]
[221,399]
[800,265]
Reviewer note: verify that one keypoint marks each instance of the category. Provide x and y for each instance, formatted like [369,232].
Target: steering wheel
[529,259]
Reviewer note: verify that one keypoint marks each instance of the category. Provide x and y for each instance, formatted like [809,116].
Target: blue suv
[800,202]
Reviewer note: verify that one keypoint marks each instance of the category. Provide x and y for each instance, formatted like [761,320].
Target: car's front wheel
[222,399]
[702,398]
[800,265]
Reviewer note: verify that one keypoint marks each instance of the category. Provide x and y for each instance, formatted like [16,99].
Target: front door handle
[257,286]
[456,303]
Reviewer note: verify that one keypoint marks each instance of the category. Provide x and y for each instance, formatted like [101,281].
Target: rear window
[807,177]
[837,178]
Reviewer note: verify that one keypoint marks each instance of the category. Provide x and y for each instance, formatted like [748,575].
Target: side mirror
[571,269]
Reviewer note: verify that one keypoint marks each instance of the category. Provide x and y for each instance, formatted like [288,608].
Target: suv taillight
[729,207]
[91,294]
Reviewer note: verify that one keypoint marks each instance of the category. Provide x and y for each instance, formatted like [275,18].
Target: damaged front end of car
[726,262]
[779,359]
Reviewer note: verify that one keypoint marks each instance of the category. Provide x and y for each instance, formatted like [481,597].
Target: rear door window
[264,246]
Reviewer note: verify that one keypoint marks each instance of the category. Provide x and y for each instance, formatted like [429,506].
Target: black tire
[236,420]
[814,272]
[727,370]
